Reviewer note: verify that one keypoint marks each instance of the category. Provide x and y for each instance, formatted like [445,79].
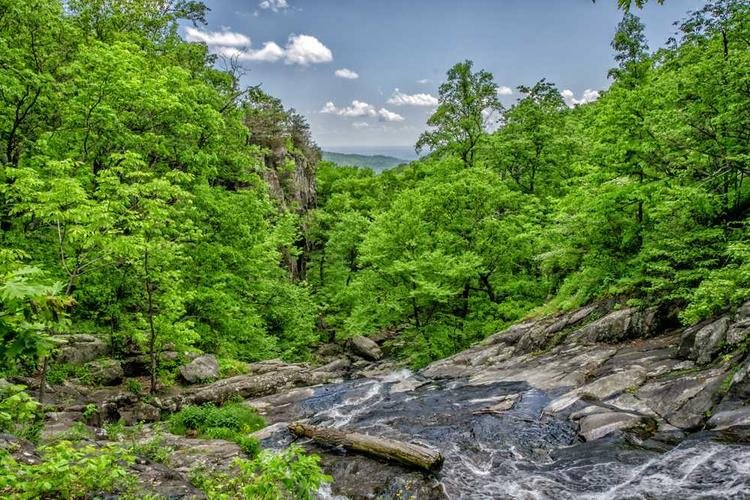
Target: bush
[270,476]
[20,415]
[232,422]
[67,472]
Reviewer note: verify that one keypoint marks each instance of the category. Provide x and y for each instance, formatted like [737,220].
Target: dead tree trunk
[407,453]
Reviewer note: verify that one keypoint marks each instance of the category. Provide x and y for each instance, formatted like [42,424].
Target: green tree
[467,101]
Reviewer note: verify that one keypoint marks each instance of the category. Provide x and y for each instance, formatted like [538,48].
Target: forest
[146,197]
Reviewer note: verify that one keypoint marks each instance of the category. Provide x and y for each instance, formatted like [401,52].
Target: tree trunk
[152,330]
[406,453]
[43,379]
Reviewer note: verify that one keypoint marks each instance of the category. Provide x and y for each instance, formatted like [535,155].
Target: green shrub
[57,373]
[270,476]
[232,422]
[20,415]
[67,471]
[134,387]
[229,367]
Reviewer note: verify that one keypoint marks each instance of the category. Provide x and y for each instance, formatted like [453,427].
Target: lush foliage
[270,476]
[232,422]
[133,188]
[67,470]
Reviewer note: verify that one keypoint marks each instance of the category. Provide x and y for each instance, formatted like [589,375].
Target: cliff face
[291,181]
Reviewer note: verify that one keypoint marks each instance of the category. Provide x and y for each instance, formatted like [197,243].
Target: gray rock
[106,371]
[618,326]
[708,340]
[598,425]
[683,401]
[78,348]
[140,412]
[21,450]
[366,348]
[246,386]
[504,404]
[738,417]
[201,369]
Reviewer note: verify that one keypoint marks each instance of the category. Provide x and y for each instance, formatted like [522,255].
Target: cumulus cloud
[400,99]
[359,109]
[504,90]
[347,74]
[389,116]
[212,38]
[270,52]
[306,49]
[589,95]
[300,49]
[274,5]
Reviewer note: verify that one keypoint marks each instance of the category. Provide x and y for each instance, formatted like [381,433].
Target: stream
[520,453]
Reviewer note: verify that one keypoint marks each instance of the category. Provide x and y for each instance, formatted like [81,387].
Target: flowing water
[521,453]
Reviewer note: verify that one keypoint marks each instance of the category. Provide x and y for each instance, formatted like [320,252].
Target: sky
[365,73]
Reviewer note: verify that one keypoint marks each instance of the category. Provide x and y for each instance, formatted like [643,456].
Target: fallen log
[406,453]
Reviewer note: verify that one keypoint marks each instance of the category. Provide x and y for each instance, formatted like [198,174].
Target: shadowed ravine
[521,453]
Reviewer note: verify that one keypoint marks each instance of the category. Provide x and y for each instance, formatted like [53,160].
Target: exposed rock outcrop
[79,348]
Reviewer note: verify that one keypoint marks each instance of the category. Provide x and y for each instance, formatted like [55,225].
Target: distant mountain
[376,162]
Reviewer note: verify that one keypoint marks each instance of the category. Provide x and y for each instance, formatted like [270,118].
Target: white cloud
[361,108]
[306,49]
[358,108]
[400,99]
[589,95]
[274,5]
[270,52]
[504,90]
[423,81]
[347,74]
[389,116]
[360,124]
[223,38]
[300,49]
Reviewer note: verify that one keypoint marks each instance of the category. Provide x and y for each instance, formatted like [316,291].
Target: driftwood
[391,449]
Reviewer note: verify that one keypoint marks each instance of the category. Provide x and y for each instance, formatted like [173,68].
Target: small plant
[58,373]
[229,367]
[115,430]
[232,422]
[155,450]
[90,410]
[19,413]
[272,476]
[134,387]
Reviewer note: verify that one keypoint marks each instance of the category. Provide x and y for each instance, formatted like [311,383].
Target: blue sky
[295,47]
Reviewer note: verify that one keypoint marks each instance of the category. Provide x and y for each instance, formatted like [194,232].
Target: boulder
[366,348]
[105,371]
[78,348]
[201,369]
